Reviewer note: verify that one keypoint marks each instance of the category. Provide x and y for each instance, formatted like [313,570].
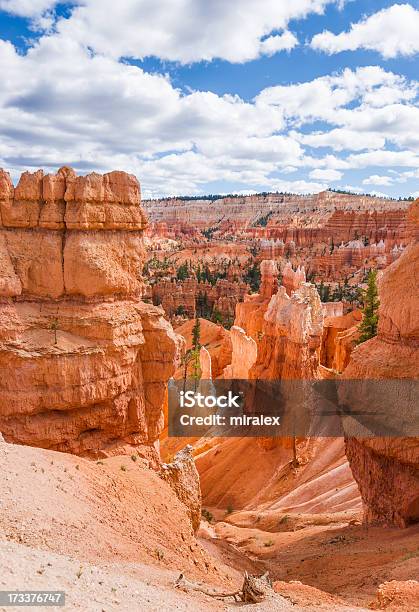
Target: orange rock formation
[386,468]
[286,333]
[339,336]
[84,363]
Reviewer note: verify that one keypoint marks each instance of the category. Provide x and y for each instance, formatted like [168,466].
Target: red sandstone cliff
[386,469]
[83,362]
[290,217]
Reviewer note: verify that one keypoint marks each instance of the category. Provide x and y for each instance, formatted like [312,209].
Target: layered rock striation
[386,469]
[285,216]
[83,362]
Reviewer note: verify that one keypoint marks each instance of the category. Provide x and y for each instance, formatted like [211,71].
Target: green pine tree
[182,272]
[368,327]
[196,334]
[196,345]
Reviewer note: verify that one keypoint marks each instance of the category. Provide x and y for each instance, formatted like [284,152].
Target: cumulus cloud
[62,103]
[342,139]
[27,8]
[187,30]
[376,179]
[384,158]
[283,42]
[325,97]
[326,174]
[392,31]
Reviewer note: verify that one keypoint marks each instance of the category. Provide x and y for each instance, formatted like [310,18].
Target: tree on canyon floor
[180,310]
[196,346]
[368,327]
[216,316]
[182,272]
[203,308]
[196,334]
[252,276]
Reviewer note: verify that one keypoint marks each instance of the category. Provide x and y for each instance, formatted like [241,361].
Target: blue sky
[198,96]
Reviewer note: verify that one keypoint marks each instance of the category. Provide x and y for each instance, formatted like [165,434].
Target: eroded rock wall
[83,361]
[386,469]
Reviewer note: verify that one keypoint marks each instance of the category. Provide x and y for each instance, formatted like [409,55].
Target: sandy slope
[112,538]
[92,588]
[98,512]
[245,475]
[116,539]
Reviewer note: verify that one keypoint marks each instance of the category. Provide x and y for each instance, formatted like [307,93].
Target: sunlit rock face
[340,334]
[244,355]
[83,362]
[386,469]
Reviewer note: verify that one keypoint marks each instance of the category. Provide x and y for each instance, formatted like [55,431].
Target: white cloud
[376,179]
[325,174]
[325,97]
[187,30]
[392,31]
[301,186]
[27,8]
[341,139]
[62,104]
[283,42]
[384,159]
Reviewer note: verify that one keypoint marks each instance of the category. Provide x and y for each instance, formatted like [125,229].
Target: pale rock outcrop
[269,278]
[291,336]
[183,477]
[386,469]
[83,362]
[243,357]
[250,312]
[205,363]
[287,329]
[292,280]
[332,309]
